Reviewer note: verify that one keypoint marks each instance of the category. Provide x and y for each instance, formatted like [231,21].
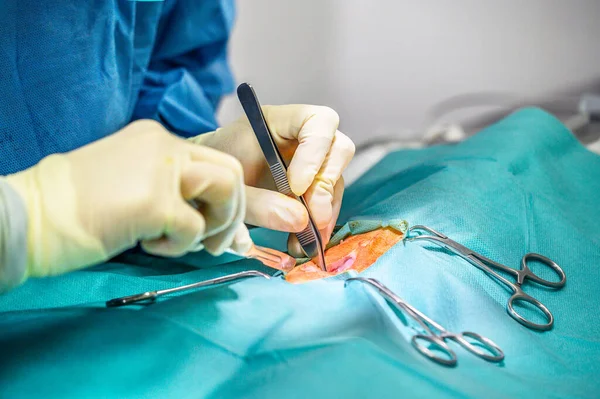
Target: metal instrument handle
[483,347]
[439,346]
[152,295]
[520,296]
[529,274]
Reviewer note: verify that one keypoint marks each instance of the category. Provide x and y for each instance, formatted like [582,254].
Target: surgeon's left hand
[316,153]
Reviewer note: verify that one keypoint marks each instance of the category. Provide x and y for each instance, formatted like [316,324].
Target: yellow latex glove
[90,204]
[315,150]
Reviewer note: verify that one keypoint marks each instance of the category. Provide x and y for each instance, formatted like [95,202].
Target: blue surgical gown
[72,72]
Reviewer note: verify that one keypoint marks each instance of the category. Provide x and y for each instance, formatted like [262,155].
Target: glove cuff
[13,238]
[57,242]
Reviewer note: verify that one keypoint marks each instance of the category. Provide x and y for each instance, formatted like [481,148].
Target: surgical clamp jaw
[487,265]
[152,295]
[490,352]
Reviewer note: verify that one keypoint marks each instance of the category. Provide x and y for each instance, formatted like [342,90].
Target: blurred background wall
[390,67]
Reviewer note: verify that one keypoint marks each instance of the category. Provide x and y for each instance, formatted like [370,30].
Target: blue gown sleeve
[188,72]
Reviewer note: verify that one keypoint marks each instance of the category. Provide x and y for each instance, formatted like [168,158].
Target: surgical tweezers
[152,295]
[309,238]
[435,335]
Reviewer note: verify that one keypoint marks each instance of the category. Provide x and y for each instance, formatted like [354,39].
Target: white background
[385,64]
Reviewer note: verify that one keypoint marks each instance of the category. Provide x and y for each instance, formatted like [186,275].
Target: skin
[357,253]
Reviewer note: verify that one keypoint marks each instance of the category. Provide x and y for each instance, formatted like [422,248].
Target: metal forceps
[435,335]
[309,238]
[487,265]
[152,295]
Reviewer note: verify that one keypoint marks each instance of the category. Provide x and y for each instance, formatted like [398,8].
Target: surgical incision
[354,253]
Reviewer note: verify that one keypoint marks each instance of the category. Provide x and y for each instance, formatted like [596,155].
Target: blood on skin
[355,253]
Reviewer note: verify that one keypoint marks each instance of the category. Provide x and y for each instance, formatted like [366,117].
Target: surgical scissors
[490,351]
[487,265]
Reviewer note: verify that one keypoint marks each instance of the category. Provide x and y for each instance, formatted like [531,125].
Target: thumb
[274,210]
[242,243]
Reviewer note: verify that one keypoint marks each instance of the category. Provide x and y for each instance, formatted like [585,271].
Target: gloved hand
[90,204]
[317,154]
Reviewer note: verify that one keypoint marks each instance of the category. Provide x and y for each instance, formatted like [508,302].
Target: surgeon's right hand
[92,203]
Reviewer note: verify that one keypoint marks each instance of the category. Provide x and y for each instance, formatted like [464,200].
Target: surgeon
[108,136]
